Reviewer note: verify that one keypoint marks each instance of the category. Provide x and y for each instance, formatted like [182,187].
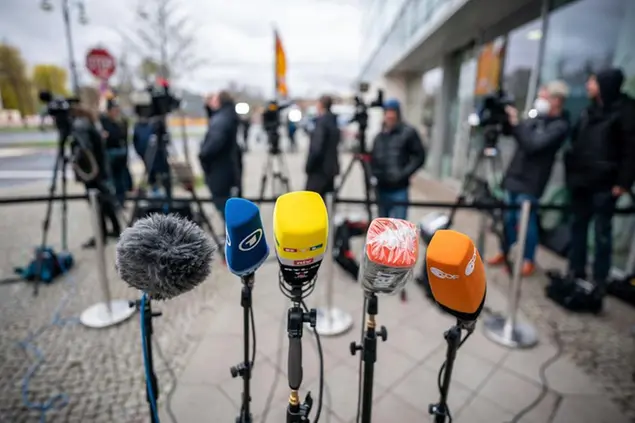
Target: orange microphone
[456,274]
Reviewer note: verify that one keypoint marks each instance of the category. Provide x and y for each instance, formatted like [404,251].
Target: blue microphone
[246,248]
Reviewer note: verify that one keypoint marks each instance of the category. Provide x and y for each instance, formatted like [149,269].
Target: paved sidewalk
[200,335]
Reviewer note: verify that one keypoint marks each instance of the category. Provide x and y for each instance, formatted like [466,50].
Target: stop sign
[100,63]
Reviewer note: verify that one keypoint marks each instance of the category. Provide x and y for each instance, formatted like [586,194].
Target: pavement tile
[513,393]
[419,389]
[588,409]
[413,343]
[391,409]
[201,404]
[469,370]
[342,391]
[482,410]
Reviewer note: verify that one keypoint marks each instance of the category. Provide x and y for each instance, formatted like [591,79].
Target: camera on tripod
[361,113]
[156,101]
[59,109]
[271,123]
[492,118]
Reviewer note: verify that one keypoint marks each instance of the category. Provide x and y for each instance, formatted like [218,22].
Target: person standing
[220,154]
[600,167]
[115,133]
[396,155]
[538,140]
[322,163]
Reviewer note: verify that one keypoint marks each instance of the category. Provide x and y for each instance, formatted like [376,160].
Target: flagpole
[275,62]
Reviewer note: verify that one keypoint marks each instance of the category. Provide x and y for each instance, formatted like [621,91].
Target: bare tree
[164,40]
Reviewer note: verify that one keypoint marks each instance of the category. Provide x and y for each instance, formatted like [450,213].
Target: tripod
[369,355]
[244,369]
[296,318]
[152,384]
[276,169]
[363,159]
[453,339]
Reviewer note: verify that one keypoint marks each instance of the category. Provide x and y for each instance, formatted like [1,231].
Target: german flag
[281,68]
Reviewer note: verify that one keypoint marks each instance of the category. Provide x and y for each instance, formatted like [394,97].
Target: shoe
[497,260]
[528,269]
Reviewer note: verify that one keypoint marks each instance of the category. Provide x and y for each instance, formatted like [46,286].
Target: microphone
[390,255]
[246,247]
[456,274]
[300,229]
[164,256]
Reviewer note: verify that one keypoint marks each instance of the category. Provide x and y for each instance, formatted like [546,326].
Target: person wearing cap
[115,133]
[538,140]
[600,167]
[396,155]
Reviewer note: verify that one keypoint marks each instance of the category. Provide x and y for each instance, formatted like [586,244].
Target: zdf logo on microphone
[441,274]
[251,240]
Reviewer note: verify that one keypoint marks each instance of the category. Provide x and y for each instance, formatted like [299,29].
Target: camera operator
[600,167]
[220,155]
[115,133]
[91,165]
[322,164]
[538,140]
[396,155]
[144,129]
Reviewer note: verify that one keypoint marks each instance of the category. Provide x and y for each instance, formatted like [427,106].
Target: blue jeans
[384,197]
[512,222]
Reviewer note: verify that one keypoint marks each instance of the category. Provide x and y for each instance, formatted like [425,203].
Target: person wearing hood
[396,155]
[322,164]
[600,167]
[220,154]
[538,140]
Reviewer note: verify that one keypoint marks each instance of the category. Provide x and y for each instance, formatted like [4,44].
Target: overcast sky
[321,39]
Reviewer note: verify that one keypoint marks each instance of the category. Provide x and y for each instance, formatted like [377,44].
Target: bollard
[331,321]
[508,331]
[108,312]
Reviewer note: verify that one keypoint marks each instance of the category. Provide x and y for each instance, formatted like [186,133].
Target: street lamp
[47,6]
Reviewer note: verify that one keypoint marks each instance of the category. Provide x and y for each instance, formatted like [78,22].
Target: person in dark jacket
[115,132]
[90,162]
[220,154]
[153,154]
[600,167]
[396,155]
[538,139]
[322,163]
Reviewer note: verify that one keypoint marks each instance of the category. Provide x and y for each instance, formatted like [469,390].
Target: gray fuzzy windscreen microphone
[164,256]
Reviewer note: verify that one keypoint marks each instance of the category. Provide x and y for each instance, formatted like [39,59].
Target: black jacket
[322,161]
[602,153]
[396,156]
[219,154]
[116,142]
[539,140]
[87,139]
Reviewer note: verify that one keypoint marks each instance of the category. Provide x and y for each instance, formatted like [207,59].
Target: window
[521,54]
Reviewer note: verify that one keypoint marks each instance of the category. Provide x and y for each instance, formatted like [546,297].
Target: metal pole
[109,312]
[69,44]
[331,321]
[508,331]
[93,194]
[534,78]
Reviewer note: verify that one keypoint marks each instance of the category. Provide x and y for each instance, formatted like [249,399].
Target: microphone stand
[152,384]
[453,339]
[244,369]
[296,318]
[369,357]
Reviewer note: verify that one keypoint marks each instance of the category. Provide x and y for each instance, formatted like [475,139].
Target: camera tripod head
[361,114]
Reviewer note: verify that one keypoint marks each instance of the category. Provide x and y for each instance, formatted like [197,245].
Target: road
[24,165]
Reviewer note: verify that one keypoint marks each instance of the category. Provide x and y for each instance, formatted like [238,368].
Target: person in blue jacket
[154,156]
[115,133]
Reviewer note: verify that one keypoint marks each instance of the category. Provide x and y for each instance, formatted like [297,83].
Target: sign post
[102,65]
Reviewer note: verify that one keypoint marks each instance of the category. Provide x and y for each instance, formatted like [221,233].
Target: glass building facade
[580,37]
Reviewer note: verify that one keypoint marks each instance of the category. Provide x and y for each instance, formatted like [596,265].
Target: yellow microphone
[300,230]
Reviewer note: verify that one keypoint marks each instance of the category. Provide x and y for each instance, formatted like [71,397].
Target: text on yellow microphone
[300,225]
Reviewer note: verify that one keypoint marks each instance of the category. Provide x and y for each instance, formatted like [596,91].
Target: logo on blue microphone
[251,241]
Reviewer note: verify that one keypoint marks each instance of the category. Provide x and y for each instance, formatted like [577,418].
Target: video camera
[361,113]
[271,123]
[59,109]
[492,117]
[156,101]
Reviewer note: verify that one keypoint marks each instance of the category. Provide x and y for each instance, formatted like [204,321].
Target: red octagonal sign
[100,63]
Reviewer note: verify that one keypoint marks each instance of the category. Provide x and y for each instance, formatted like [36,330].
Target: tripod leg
[64,162]
[284,173]
[344,177]
[369,188]
[263,178]
[207,223]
